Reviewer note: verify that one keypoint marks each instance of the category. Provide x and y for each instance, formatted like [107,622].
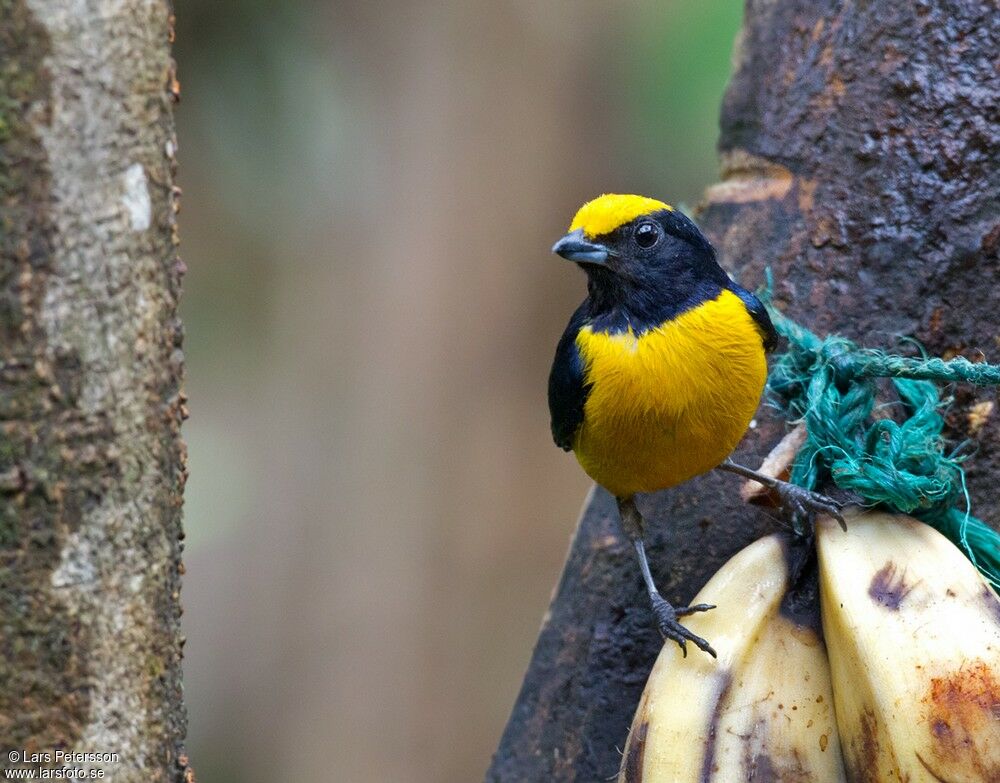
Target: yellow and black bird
[661,369]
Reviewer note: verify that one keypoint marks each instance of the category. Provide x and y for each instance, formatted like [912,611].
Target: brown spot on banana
[634,753]
[865,760]
[766,762]
[964,721]
[992,603]
[708,765]
[888,588]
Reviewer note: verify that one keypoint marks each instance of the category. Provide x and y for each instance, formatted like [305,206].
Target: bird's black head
[644,260]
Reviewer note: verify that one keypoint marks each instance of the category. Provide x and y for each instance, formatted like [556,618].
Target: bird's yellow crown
[613,210]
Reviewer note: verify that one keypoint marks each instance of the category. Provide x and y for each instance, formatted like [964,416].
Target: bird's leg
[666,615]
[800,503]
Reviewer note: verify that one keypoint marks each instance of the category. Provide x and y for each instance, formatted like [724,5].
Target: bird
[660,370]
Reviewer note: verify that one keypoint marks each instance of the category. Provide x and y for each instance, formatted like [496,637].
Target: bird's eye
[646,235]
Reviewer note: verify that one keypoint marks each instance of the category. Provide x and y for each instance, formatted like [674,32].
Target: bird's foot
[666,619]
[802,505]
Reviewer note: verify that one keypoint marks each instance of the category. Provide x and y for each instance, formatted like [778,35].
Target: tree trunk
[92,466]
[860,145]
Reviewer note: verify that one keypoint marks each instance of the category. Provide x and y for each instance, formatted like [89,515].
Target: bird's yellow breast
[672,402]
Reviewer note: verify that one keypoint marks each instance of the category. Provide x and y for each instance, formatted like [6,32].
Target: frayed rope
[900,463]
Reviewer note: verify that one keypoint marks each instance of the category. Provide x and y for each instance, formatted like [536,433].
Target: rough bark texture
[91,461]
[861,162]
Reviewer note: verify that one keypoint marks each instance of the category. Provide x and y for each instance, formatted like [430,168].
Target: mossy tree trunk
[860,152]
[92,466]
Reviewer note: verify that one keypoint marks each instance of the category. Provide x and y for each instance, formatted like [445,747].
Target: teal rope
[829,383]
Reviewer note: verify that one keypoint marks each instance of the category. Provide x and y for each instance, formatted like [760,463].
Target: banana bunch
[891,673]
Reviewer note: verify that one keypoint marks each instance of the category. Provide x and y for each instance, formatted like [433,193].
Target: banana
[913,633]
[763,711]
[904,689]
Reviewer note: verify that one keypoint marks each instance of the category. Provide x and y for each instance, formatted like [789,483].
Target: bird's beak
[574,247]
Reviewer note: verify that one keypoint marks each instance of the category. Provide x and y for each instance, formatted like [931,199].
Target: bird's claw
[666,619]
[683,611]
[802,505]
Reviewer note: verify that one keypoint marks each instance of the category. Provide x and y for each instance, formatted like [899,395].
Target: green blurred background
[376,514]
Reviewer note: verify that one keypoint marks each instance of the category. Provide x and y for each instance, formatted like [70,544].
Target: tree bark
[92,466]
[860,148]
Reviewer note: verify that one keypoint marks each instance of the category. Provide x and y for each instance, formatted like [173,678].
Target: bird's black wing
[759,313]
[567,389]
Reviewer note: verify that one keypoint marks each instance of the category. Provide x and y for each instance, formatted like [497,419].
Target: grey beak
[574,247]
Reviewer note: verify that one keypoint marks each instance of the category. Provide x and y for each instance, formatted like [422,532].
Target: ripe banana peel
[900,682]
[913,634]
[763,710]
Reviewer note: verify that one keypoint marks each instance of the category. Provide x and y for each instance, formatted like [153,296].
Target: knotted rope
[900,463]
